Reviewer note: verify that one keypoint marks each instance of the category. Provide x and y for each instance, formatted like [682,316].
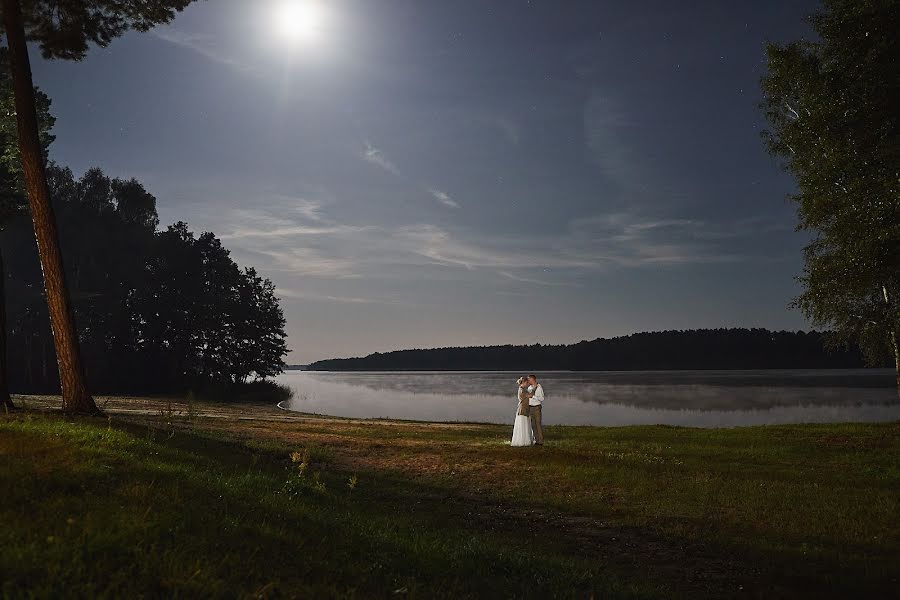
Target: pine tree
[63,29]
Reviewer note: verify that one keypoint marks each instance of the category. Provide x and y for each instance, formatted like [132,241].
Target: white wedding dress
[522,435]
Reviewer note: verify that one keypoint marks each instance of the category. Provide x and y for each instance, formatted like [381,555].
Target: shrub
[262,391]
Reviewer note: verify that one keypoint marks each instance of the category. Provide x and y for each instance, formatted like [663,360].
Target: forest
[662,350]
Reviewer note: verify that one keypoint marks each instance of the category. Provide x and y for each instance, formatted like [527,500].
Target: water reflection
[694,398]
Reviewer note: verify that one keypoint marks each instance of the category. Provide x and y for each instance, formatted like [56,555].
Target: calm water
[695,398]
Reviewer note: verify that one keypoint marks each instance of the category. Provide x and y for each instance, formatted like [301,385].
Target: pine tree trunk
[5,399]
[75,395]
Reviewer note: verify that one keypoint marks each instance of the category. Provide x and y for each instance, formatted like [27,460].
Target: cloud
[509,128]
[260,224]
[377,157]
[443,197]
[533,281]
[607,142]
[301,295]
[293,236]
[201,43]
[627,240]
[303,260]
[309,209]
[308,241]
[440,246]
[287,231]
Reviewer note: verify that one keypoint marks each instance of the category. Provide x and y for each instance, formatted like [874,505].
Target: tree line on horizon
[661,350]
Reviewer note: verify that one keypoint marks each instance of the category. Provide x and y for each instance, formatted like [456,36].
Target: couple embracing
[527,427]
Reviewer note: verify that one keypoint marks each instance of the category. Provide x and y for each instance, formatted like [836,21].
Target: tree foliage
[12,187]
[156,310]
[66,28]
[834,109]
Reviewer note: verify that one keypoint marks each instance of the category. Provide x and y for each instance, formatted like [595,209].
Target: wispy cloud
[201,43]
[302,295]
[309,242]
[440,246]
[535,281]
[509,128]
[377,157]
[444,198]
[240,232]
[629,240]
[306,261]
[298,217]
[607,142]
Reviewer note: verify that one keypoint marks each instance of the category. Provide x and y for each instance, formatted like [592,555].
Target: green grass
[215,507]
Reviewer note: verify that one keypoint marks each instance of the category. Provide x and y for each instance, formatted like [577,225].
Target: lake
[692,398]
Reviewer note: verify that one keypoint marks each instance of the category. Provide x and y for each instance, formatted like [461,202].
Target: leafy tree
[259,338]
[215,322]
[157,311]
[833,109]
[63,29]
[12,194]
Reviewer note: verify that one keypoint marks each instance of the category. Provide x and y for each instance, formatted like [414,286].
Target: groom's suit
[534,408]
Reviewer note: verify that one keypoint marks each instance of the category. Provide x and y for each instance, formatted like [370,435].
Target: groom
[535,401]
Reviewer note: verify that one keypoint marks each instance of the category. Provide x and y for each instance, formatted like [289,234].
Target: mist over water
[692,398]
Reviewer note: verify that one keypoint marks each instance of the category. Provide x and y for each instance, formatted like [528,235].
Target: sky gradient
[431,173]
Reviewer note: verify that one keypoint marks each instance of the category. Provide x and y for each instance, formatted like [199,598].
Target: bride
[522,427]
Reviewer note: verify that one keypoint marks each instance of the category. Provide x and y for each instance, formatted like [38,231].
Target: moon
[298,20]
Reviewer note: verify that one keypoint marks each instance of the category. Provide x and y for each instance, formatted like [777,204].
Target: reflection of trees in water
[673,390]
[706,397]
[334,396]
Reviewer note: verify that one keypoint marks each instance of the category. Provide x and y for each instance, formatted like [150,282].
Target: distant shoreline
[522,370]
[698,349]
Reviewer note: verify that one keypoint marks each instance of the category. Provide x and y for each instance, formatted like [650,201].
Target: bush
[262,392]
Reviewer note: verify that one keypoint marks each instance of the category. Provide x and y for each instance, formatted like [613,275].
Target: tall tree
[12,193]
[63,29]
[833,105]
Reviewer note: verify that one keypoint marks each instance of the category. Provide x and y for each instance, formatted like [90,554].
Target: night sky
[428,173]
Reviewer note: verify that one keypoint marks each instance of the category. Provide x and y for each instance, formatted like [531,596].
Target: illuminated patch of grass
[218,506]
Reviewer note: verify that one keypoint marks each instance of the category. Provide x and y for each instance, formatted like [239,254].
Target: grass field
[201,502]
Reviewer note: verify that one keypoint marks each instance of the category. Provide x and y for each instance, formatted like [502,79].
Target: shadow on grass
[130,512]
[696,560]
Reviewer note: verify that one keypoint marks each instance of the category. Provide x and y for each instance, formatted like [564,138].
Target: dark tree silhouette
[63,29]
[157,311]
[833,109]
